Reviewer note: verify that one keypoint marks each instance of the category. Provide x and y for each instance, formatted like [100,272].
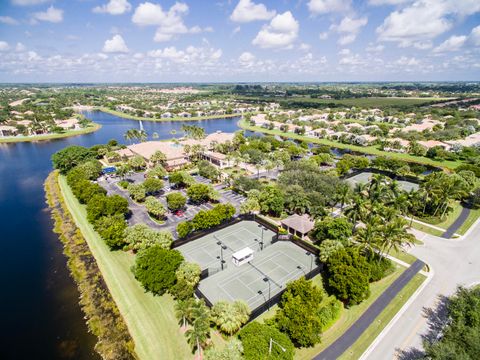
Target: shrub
[141,236]
[256,337]
[329,312]
[155,268]
[154,207]
[230,317]
[176,201]
[152,185]
[137,192]
[111,228]
[123,184]
[184,228]
[380,267]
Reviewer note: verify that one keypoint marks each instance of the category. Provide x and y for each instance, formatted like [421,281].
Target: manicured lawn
[372,150]
[426,229]
[472,217]
[150,319]
[403,256]
[448,220]
[382,320]
[349,316]
[69,133]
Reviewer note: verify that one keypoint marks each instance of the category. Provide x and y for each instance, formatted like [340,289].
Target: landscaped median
[69,133]
[371,150]
[150,319]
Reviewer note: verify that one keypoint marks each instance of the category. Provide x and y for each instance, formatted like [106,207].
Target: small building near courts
[242,256]
[298,225]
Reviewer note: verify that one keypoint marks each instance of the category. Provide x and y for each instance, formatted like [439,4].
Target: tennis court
[206,251]
[365,177]
[280,263]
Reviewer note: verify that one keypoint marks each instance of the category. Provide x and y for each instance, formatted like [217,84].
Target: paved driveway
[454,263]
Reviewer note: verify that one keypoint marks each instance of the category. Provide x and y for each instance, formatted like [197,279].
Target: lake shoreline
[103,316]
[45,137]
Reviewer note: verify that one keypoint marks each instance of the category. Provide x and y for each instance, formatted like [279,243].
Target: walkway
[356,330]
[457,223]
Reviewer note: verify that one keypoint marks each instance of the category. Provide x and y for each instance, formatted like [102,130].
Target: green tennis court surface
[280,262]
[206,252]
[365,177]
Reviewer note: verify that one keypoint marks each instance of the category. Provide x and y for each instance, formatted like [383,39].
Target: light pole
[266,279]
[299,267]
[222,247]
[263,228]
[276,343]
[260,242]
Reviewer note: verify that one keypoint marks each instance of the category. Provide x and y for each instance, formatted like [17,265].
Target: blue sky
[239,40]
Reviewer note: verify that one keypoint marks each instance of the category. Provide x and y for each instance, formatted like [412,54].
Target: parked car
[179,213]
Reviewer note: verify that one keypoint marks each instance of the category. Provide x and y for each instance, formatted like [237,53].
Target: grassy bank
[102,314]
[193,118]
[349,316]
[382,320]
[150,319]
[371,150]
[66,134]
[471,219]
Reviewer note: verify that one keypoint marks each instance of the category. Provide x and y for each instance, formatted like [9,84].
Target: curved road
[454,263]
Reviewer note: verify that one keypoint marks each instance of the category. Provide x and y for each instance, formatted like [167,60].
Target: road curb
[397,316]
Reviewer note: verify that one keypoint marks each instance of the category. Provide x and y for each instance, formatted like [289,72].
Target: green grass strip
[150,319]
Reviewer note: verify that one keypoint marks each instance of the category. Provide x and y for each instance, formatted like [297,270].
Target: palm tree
[368,237]
[198,335]
[184,311]
[173,132]
[155,136]
[356,211]
[394,236]
[158,157]
[343,195]
[142,135]
[129,135]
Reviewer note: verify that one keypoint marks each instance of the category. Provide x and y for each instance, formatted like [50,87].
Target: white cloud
[305,47]
[406,61]
[349,28]
[424,20]
[115,45]
[4,46]
[170,23]
[52,15]
[328,6]
[375,48]
[246,58]
[475,36]
[247,11]
[7,20]
[453,43]
[191,55]
[387,2]
[20,47]
[29,2]
[280,33]
[114,7]
[323,35]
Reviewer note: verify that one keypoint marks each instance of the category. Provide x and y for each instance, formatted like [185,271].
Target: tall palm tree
[368,237]
[356,210]
[184,311]
[129,135]
[142,135]
[394,236]
[343,195]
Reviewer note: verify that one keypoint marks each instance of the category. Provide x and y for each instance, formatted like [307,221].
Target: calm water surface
[41,318]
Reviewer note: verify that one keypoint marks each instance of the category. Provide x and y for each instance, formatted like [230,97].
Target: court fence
[235,220]
[392,175]
[275,299]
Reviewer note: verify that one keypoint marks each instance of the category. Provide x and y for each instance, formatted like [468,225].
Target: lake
[41,318]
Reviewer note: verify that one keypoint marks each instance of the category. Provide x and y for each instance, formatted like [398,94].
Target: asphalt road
[454,262]
[356,330]
[457,223]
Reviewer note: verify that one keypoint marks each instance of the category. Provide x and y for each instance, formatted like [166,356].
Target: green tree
[199,193]
[348,274]
[184,311]
[158,172]
[256,337]
[231,351]
[184,228]
[111,228]
[328,248]
[137,192]
[230,317]
[297,313]
[154,207]
[141,236]
[181,179]
[198,335]
[158,158]
[176,201]
[101,205]
[189,272]
[272,200]
[137,162]
[152,185]
[66,159]
[155,268]
[339,229]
